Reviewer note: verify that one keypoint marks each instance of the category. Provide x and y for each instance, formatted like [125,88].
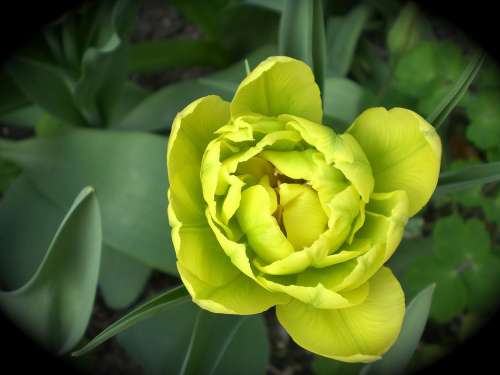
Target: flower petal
[361,333]
[279,85]
[404,152]
[192,130]
[242,295]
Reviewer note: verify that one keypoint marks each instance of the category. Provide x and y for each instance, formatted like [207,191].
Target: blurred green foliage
[84,71]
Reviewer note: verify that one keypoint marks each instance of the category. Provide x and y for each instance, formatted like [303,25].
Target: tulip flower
[268,207]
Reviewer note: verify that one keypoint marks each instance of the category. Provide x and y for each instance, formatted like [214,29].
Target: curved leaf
[467,177]
[56,303]
[165,300]
[126,168]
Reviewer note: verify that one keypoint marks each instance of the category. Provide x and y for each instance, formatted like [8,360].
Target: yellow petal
[361,333]
[277,86]
[404,152]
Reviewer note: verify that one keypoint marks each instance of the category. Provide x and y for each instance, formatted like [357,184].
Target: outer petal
[361,333]
[192,130]
[277,86]
[242,295]
[404,152]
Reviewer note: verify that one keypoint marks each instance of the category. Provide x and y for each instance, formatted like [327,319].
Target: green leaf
[408,251]
[157,111]
[467,177]
[344,99]
[156,55]
[397,358]
[275,5]
[484,114]
[121,278]
[442,111]
[27,116]
[342,38]
[187,340]
[302,34]
[163,301]
[36,79]
[327,366]
[404,33]
[11,98]
[450,296]
[28,221]
[128,171]
[103,74]
[8,172]
[56,303]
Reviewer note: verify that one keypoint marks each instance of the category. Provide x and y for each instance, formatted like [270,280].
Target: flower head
[269,207]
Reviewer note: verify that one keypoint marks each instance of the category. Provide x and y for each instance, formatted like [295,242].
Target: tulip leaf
[343,100]
[165,300]
[343,34]
[8,172]
[121,278]
[157,111]
[36,78]
[397,358]
[28,220]
[467,177]
[187,340]
[56,303]
[302,35]
[128,171]
[172,53]
[457,91]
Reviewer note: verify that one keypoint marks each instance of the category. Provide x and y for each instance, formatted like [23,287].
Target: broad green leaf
[121,278]
[173,53]
[404,33]
[28,221]
[157,111]
[36,79]
[103,74]
[343,100]
[187,340]
[302,34]
[165,300]
[397,358]
[11,98]
[467,177]
[128,171]
[56,303]
[442,111]
[342,38]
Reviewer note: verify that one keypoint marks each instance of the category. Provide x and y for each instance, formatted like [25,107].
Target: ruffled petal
[404,152]
[277,86]
[192,130]
[361,333]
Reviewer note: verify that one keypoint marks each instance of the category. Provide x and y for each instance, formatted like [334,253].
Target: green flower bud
[269,207]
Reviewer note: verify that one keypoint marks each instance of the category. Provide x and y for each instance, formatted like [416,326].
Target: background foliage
[93,96]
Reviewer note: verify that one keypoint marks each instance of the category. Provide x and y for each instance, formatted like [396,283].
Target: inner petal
[303,217]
